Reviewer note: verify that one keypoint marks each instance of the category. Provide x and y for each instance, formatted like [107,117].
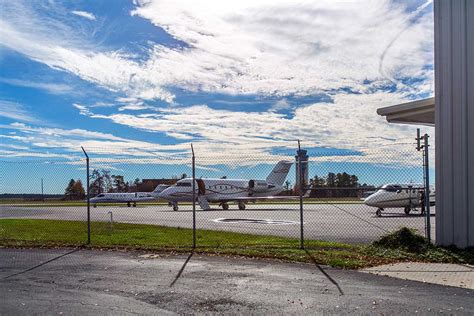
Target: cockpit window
[391,188]
[101,195]
[183,184]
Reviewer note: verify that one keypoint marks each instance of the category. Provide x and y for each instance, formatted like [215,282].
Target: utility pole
[88,199]
[426,177]
[42,190]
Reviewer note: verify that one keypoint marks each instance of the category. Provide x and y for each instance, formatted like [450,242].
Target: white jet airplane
[129,198]
[223,191]
[406,196]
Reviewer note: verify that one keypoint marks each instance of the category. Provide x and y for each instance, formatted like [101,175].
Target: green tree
[331,180]
[108,184]
[97,182]
[119,184]
[78,190]
[69,193]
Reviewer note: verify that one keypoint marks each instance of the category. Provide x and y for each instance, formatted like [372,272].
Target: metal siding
[458,124]
[454,109]
[470,118]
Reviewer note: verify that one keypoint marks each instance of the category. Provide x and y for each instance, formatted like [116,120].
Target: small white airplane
[406,196]
[223,191]
[129,198]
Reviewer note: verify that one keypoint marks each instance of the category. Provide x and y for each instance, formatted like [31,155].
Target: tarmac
[350,223]
[78,281]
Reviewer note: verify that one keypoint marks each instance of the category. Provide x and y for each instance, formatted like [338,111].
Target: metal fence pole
[88,199]
[300,171]
[194,197]
[427,189]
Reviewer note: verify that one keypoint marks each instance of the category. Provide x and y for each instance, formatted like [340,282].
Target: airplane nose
[369,201]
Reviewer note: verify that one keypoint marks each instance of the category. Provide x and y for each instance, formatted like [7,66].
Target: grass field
[49,233]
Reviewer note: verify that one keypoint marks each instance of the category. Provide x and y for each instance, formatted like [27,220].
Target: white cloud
[85,14]
[279,105]
[54,88]
[45,139]
[349,123]
[288,47]
[278,48]
[267,47]
[15,111]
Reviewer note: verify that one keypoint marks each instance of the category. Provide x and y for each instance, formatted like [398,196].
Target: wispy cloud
[15,111]
[361,53]
[53,88]
[85,14]
[268,48]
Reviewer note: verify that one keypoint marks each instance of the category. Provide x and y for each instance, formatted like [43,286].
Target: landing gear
[378,212]
[407,210]
[225,206]
[241,206]
[134,204]
[175,206]
[129,204]
[95,205]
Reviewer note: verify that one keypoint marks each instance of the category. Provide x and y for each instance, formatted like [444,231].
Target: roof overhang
[416,112]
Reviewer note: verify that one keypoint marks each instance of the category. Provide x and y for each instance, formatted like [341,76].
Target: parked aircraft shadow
[398,215]
[234,210]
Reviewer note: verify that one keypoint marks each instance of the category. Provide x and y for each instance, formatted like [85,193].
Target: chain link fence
[290,199]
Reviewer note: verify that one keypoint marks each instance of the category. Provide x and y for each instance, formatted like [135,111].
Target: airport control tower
[301,157]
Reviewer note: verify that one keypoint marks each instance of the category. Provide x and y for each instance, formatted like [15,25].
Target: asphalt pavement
[353,223]
[68,281]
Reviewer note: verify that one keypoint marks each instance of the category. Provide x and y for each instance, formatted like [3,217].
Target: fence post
[427,189]
[194,196]
[88,199]
[300,185]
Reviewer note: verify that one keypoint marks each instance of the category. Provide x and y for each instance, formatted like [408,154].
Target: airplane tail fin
[279,173]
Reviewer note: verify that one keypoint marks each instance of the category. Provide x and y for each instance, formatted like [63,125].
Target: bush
[404,238]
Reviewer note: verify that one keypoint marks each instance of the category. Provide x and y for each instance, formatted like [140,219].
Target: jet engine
[258,185]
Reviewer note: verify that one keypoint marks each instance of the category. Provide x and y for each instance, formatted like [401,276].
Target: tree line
[333,184]
[101,181]
[337,185]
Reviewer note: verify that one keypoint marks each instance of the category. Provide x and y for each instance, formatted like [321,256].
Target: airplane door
[201,187]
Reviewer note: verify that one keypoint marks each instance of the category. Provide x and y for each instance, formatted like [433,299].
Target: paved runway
[353,223]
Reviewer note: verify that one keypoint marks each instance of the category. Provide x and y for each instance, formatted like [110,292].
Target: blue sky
[141,80]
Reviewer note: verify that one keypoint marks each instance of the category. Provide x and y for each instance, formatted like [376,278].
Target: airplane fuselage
[123,197]
[219,190]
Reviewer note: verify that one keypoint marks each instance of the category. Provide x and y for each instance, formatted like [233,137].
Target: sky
[136,82]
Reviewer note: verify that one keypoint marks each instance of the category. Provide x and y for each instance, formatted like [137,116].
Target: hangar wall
[454,100]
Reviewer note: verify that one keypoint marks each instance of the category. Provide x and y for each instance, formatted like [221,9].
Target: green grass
[51,233]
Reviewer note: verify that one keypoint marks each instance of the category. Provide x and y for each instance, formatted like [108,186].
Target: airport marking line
[253,221]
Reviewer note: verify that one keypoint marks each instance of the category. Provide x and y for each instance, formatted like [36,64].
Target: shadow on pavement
[341,292]
[182,269]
